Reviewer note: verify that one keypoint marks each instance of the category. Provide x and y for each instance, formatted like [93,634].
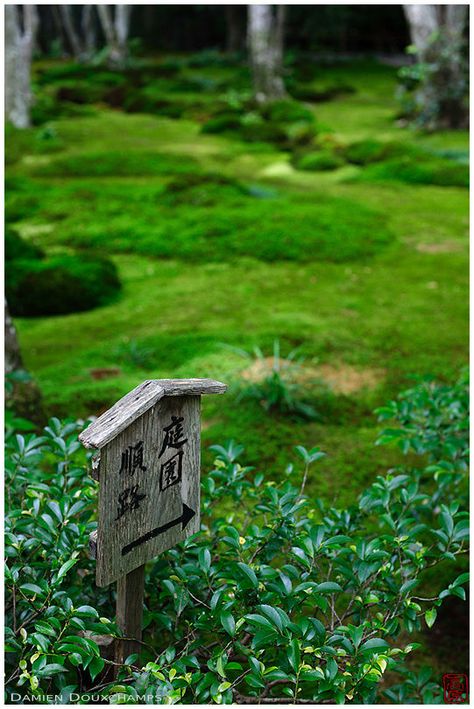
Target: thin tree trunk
[122,25]
[266,51]
[73,37]
[88,30]
[115,31]
[18,52]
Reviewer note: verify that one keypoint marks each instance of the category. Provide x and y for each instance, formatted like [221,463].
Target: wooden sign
[149,473]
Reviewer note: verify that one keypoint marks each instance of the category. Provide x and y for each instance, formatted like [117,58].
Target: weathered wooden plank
[149,487]
[122,414]
[179,387]
[139,400]
[129,613]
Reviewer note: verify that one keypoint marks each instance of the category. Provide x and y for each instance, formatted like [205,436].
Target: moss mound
[316,94]
[221,229]
[117,164]
[60,285]
[285,124]
[419,170]
[322,160]
[17,248]
[365,152]
[207,189]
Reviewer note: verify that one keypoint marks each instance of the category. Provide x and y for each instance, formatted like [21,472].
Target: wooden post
[129,606]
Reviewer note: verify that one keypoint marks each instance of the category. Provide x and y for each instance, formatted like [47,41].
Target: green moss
[214,222]
[222,123]
[319,161]
[61,284]
[116,163]
[317,94]
[286,112]
[400,310]
[420,170]
[364,152]
[17,248]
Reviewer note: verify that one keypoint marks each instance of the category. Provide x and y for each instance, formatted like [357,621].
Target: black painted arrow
[186,517]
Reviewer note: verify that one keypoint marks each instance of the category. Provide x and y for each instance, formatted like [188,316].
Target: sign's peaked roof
[138,401]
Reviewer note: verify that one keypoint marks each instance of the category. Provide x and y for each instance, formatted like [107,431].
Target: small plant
[132,352]
[274,383]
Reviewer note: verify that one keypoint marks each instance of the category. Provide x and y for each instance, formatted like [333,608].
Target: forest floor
[366,321]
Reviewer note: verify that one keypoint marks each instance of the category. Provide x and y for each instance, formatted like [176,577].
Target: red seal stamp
[455,688]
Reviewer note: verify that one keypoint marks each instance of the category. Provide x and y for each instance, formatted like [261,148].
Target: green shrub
[17,248]
[287,599]
[60,285]
[117,163]
[319,161]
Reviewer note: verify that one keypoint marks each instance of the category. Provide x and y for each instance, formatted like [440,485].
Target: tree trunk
[13,359]
[235,38]
[88,31]
[22,393]
[436,31]
[71,34]
[122,25]
[422,24]
[265,30]
[115,31]
[19,46]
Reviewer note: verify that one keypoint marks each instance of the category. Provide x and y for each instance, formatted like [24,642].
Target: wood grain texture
[127,539]
[122,414]
[111,423]
[129,613]
[178,387]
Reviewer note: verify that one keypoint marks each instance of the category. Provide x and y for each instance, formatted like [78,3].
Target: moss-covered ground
[369,274]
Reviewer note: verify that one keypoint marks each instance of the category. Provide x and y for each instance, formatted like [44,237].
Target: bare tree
[436,32]
[116,31]
[265,36]
[20,35]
